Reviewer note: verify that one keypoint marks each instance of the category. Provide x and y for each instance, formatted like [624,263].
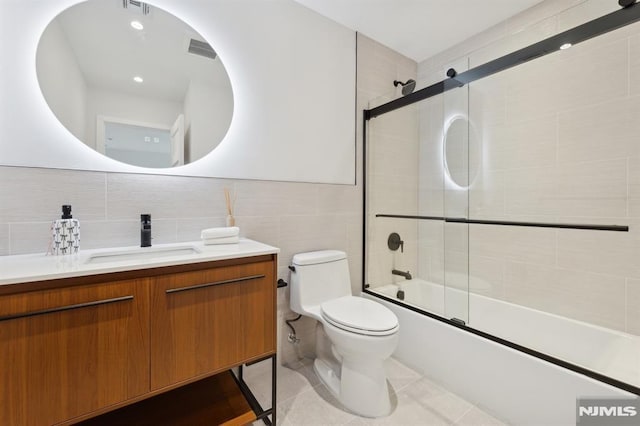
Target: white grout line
[465,413]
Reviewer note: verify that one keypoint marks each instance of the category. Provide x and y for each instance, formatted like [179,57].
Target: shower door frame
[599,26]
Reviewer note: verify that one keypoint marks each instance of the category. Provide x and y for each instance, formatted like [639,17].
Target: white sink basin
[141,253]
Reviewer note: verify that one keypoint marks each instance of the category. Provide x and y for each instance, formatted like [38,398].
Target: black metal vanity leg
[274,373]
[261,414]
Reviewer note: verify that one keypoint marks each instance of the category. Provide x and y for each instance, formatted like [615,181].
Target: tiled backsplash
[109,207]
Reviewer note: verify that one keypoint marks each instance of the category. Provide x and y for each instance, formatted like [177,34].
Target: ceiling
[419,29]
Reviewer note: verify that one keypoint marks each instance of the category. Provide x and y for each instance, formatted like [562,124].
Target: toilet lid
[360,315]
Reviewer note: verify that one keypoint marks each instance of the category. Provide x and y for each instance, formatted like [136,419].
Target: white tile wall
[593,298]
[598,132]
[540,12]
[520,244]
[393,164]
[612,253]
[164,197]
[634,65]
[634,187]
[487,195]
[516,40]
[584,12]
[4,239]
[276,199]
[32,195]
[520,145]
[487,104]
[487,276]
[594,189]
[28,237]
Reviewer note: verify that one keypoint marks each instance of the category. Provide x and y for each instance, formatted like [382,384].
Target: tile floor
[303,400]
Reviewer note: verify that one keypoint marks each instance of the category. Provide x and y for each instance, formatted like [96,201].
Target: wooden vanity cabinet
[211,320]
[74,348]
[69,351]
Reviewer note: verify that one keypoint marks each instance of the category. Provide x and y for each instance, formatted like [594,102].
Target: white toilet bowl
[362,387]
[355,335]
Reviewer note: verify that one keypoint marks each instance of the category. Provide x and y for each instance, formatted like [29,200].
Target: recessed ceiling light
[138,79]
[565,46]
[137,25]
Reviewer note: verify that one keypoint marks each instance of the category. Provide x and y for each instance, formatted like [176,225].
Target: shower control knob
[395,242]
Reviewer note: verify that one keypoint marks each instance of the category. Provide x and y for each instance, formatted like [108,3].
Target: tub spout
[406,275]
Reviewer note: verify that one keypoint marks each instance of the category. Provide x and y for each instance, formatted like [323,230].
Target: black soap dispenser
[145,230]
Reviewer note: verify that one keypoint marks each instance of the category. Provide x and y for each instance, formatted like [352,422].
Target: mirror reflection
[134,82]
[461,162]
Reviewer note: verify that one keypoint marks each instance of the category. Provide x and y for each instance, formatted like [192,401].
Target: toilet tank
[318,276]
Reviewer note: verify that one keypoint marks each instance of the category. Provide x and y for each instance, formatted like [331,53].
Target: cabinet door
[69,351]
[210,320]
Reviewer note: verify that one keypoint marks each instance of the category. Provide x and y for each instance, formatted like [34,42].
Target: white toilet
[354,335]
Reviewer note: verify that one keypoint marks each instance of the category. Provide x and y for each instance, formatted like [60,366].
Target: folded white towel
[224,240]
[224,232]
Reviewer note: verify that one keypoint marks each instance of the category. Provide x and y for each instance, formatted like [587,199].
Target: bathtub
[517,387]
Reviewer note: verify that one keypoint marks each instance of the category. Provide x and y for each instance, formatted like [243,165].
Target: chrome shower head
[407,87]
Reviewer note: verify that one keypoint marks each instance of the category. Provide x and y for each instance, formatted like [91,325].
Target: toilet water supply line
[292,338]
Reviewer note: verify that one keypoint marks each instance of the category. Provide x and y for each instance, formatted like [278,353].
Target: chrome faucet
[406,275]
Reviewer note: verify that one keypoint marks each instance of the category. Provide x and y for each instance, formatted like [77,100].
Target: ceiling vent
[201,48]
[137,7]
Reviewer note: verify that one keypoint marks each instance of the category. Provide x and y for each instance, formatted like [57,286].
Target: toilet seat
[359,315]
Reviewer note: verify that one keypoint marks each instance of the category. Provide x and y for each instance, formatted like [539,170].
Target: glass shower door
[456,182]
[391,149]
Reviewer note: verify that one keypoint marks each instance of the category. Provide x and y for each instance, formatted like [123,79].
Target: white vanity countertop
[38,267]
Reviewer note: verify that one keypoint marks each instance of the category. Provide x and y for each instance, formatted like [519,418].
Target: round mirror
[134,82]
[460,160]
